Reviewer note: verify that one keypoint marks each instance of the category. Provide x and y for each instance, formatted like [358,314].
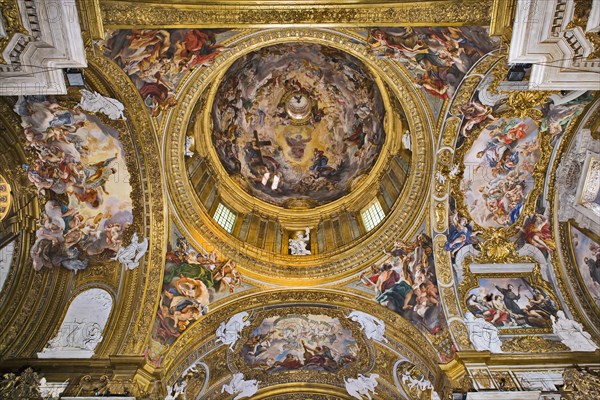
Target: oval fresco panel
[499,169]
[300,342]
[298,121]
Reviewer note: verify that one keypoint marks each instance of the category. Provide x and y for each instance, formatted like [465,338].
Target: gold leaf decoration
[532,344]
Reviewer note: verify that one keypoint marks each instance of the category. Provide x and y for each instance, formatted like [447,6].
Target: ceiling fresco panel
[80,168]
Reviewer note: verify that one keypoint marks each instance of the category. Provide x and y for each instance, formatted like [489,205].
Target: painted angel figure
[298,246]
[130,255]
[536,231]
[459,233]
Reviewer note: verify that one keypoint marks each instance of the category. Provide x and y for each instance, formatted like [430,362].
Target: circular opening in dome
[298,122]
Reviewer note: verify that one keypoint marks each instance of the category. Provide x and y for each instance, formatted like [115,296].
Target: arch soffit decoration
[566,269]
[400,223]
[405,341]
[126,331]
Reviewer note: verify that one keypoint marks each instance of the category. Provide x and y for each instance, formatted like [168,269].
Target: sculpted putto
[95,102]
[361,386]
[129,256]
[240,386]
[229,333]
[374,328]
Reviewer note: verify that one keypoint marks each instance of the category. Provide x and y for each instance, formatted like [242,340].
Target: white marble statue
[189,142]
[298,245]
[229,333]
[240,386]
[52,390]
[422,384]
[178,390]
[95,102]
[129,256]
[361,386]
[374,328]
[483,334]
[407,140]
[571,333]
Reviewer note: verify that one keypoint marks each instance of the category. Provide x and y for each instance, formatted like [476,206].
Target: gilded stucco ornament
[532,344]
[12,24]
[497,245]
[581,384]
[247,14]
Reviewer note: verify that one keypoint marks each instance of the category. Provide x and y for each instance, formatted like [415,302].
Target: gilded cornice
[12,23]
[224,14]
[328,266]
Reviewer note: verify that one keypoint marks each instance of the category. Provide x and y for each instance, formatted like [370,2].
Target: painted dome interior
[298,121]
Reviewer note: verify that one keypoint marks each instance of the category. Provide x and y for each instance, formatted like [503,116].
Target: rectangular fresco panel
[587,255]
[511,303]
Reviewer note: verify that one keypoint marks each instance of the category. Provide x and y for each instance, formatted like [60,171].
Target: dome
[297,122]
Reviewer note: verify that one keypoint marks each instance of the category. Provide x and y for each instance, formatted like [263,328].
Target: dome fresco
[298,121]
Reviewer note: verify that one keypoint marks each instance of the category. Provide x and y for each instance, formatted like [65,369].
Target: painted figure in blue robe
[320,161]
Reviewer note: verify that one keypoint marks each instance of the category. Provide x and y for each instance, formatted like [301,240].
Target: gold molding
[502,18]
[5,197]
[532,344]
[245,14]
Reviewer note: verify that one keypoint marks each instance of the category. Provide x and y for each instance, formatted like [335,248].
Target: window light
[372,215]
[224,217]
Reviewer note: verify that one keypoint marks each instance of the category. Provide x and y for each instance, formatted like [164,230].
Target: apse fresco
[298,122]
[79,169]
[511,303]
[300,342]
[157,59]
[437,57]
[587,255]
[191,281]
[406,283]
[499,171]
